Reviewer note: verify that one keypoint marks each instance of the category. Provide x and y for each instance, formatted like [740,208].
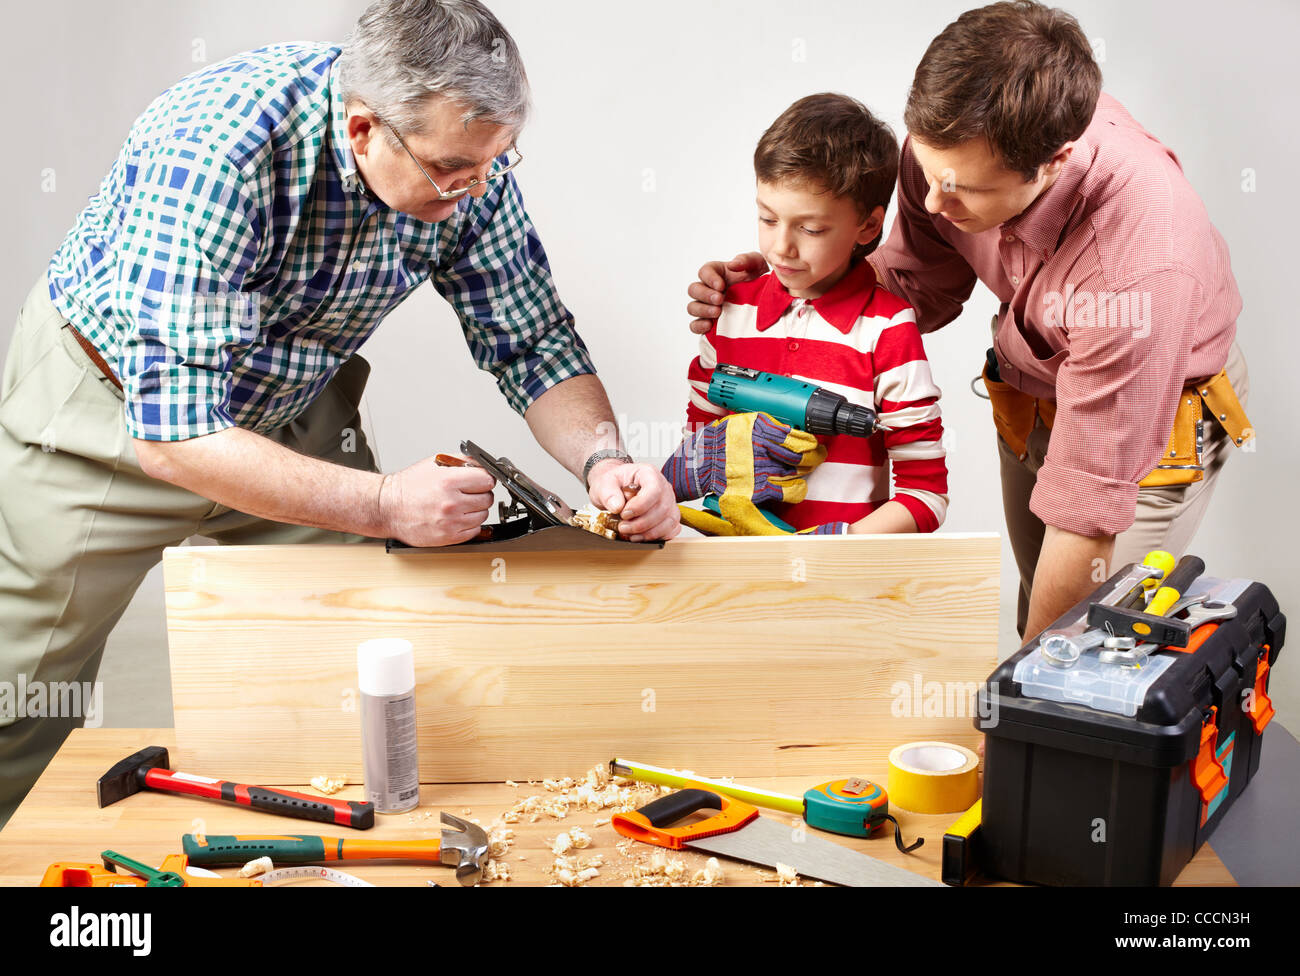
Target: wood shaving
[579,837]
[572,872]
[594,792]
[660,871]
[496,870]
[328,785]
[255,867]
[597,791]
[787,876]
[710,875]
[596,520]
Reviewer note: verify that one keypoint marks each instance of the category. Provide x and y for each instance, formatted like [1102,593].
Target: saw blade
[767,842]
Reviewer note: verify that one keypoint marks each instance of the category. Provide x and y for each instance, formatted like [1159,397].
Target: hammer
[465,846]
[147,770]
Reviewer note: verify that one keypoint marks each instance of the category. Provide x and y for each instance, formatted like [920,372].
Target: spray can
[386,680]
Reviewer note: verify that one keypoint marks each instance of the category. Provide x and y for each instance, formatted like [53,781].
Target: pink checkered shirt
[1116,292]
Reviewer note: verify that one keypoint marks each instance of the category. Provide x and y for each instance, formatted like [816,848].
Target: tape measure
[856,807]
[285,876]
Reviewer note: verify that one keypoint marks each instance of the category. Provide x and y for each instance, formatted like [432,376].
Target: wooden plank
[740,657]
[60,822]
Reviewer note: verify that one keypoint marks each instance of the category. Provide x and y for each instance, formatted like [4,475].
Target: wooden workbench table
[59,821]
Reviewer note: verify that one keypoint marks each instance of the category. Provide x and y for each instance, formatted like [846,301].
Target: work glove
[740,516]
[745,451]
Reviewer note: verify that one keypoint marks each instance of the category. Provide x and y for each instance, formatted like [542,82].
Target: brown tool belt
[1015,412]
[94,355]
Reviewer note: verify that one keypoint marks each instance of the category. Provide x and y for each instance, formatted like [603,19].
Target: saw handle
[651,823]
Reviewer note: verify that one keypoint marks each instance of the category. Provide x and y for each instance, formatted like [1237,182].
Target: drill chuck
[830,413]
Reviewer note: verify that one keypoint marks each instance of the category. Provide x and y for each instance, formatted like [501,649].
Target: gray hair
[403,51]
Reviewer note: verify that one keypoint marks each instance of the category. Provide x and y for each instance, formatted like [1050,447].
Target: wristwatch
[599,456]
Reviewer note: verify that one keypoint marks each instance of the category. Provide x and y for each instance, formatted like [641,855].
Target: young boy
[825,171]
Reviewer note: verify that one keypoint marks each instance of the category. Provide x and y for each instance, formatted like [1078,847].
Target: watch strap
[602,455]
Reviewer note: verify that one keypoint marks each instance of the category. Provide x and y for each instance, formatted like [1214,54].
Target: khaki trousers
[1167,518]
[81,524]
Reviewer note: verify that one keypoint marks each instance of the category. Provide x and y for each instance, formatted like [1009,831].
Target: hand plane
[534,520]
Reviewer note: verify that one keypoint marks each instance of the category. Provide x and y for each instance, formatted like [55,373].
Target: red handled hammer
[147,770]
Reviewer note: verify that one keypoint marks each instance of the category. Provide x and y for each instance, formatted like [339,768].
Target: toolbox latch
[1261,710]
[1207,772]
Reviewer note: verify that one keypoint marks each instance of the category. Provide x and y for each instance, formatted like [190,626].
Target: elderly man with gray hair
[187,364]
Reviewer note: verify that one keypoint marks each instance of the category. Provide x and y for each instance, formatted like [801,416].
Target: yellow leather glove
[751,478]
[742,517]
[745,449]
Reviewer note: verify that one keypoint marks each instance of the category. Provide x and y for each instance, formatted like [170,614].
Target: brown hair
[1020,74]
[833,141]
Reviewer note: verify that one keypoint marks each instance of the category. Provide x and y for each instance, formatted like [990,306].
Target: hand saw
[736,831]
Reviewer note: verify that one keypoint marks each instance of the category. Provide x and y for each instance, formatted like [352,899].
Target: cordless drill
[792,402]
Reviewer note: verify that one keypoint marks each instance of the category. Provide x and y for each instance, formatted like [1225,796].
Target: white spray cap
[385,666]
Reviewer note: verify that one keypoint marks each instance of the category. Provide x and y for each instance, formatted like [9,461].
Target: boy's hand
[740,516]
[767,460]
[715,278]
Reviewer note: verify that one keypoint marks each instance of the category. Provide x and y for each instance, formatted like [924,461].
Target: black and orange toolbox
[1117,739]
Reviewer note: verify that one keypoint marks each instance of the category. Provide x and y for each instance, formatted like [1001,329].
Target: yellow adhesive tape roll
[933,777]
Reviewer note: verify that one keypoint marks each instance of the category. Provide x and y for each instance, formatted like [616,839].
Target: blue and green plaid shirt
[233,260]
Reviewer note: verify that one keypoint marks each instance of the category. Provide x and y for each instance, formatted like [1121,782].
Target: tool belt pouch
[1182,461]
[1013,413]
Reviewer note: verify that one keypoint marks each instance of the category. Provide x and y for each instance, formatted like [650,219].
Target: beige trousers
[1167,518]
[81,524]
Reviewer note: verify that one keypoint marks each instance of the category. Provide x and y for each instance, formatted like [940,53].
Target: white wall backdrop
[638,170]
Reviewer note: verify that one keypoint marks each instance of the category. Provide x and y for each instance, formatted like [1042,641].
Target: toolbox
[1100,773]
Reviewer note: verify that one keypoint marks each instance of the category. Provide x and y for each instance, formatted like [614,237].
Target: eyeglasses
[513,158]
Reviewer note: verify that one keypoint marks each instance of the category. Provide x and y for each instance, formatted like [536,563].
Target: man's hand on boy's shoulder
[715,278]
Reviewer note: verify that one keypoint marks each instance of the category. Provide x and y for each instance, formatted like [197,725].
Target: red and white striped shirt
[862,342]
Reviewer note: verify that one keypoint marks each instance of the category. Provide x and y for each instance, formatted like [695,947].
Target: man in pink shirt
[1119,306]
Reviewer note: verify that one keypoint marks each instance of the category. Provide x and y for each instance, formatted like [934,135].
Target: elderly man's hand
[715,278]
[428,505]
[650,513]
